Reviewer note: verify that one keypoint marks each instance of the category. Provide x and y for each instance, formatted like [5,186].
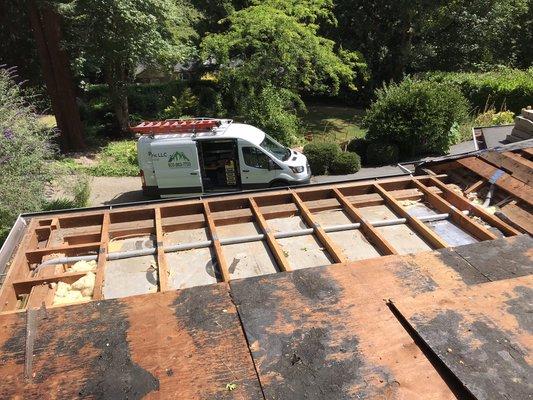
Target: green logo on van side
[179,160]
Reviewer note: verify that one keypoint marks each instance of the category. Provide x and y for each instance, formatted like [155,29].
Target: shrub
[491,117]
[345,163]
[382,153]
[24,149]
[320,155]
[417,116]
[359,146]
[502,89]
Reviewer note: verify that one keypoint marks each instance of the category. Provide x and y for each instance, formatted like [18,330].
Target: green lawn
[339,124]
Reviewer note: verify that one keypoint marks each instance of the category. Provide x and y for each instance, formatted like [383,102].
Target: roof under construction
[416,286]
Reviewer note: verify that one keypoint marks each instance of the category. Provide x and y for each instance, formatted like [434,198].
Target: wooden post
[331,247]
[275,248]
[456,215]
[221,260]
[162,265]
[417,225]
[384,246]
[102,257]
[463,204]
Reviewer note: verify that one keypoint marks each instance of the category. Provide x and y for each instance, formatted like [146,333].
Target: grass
[118,158]
[338,124]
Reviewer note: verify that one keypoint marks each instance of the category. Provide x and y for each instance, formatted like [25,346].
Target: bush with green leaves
[345,163]
[378,153]
[501,89]
[417,116]
[320,156]
[24,150]
[359,146]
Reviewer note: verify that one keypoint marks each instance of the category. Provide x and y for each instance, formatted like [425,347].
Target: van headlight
[297,170]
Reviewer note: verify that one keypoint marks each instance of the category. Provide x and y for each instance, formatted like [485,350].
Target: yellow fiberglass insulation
[80,290]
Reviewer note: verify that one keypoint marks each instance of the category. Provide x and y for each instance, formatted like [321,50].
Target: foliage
[24,149]
[417,116]
[185,104]
[320,155]
[502,89]
[129,33]
[345,163]
[80,192]
[378,153]
[492,117]
[359,146]
[272,49]
[118,158]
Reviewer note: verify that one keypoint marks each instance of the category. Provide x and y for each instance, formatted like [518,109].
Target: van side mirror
[270,164]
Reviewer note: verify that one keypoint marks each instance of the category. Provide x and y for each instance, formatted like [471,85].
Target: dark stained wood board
[173,345]
[327,332]
[482,333]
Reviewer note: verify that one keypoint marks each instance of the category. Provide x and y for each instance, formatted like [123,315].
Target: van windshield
[280,152]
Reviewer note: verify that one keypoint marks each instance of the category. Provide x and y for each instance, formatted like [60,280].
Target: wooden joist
[372,233]
[514,167]
[463,204]
[221,260]
[162,265]
[419,227]
[274,246]
[102,256]
[456,215]
[506,182]
[323,237]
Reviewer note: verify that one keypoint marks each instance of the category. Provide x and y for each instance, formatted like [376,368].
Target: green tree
[269,54]
[24,149]
[118,35]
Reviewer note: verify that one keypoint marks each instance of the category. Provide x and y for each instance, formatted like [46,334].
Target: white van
[195,156]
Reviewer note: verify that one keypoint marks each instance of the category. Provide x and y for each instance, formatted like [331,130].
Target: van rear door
[176,167]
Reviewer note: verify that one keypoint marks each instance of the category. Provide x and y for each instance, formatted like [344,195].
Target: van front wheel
[279,183]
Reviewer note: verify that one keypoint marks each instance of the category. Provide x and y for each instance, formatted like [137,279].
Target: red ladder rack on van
[176,126]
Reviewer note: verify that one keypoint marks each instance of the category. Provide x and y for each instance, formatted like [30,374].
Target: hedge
[359,146]
[417,116]
[382,153]
[345,163]
[320,155]
[503,89]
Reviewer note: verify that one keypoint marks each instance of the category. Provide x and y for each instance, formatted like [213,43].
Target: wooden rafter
[375,237]
[475,186]
[274,246]
[463,204]
[221,260]
[102,257]
[418,226]
[468,224]
[162,264]
[330,246]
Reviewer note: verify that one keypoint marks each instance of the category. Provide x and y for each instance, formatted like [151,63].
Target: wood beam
[162,265]
[373,234]
[468,224]
[475,186]
[326,241]
[102,259]
[274,246]
[506,182]
[463,204]
[221,260]
[417,225]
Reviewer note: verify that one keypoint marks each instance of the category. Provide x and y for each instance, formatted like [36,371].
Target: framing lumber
[506,182]
[162,264]
[419,227]
[456,215]
[219,254]
[274,246]
[335,252]
[463,204]
[515,168]
[102,256]
[475,186]
[375,237]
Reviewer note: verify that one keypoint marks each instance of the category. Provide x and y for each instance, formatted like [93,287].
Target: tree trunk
[45,23]
[116,77]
